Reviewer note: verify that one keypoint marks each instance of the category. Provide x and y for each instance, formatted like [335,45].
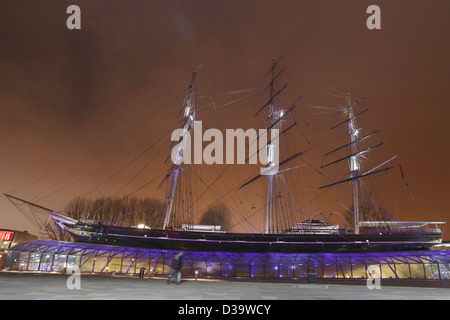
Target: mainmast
[188,110]
[272,158]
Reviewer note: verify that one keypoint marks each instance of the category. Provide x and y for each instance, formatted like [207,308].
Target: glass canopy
[57,256]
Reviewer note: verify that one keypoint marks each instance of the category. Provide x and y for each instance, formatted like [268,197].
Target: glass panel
[115,264]
[359,271]
[142,262]
[33,263]
[128,266]
[100,264]
[46,262]
[284,270]
[227,269]
[13,260]
[417,271]
[319,270]
[444,270]
[344,270]
[300,270]
[386,271]
[73,262]
[431,271]
[257,270]
[402,271]
[64,250]
[197,266]
[86,262]
[242,270]
[329,271]
[212,268]
[59,262]
[271,270]
[186,270]
[156,265]
[23,260]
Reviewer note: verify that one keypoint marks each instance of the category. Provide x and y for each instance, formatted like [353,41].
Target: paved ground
[15,286]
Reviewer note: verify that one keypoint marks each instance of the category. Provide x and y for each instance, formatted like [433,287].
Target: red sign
[6,235]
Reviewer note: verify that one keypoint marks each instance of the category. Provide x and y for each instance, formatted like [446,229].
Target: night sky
[123,75]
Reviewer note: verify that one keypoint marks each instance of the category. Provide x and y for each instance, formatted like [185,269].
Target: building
[9,238]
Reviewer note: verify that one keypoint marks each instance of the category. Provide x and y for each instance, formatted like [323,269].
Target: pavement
[36,286]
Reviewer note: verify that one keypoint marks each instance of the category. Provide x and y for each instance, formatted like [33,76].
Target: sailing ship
[309,236]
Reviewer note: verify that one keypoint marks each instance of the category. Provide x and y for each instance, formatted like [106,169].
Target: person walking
[177,264]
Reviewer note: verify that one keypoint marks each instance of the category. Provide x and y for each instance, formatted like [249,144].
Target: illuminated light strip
[265,242]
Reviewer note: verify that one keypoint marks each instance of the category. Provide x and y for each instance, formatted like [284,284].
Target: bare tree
[123,211]
[218,214]
[367,212]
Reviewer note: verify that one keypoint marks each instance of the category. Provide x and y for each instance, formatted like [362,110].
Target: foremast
[272,158]
[354,161]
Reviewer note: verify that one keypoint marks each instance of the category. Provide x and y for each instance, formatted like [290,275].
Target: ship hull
[255,243]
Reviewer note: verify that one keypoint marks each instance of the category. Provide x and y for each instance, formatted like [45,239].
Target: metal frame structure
[58,256]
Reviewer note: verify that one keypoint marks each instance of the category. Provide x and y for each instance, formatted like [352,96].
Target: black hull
[255,243]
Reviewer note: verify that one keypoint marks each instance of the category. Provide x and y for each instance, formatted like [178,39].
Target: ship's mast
[175,174]
[188,110]
[269,162]
[354,162]
[272,148]
[354,158]
[272,160]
